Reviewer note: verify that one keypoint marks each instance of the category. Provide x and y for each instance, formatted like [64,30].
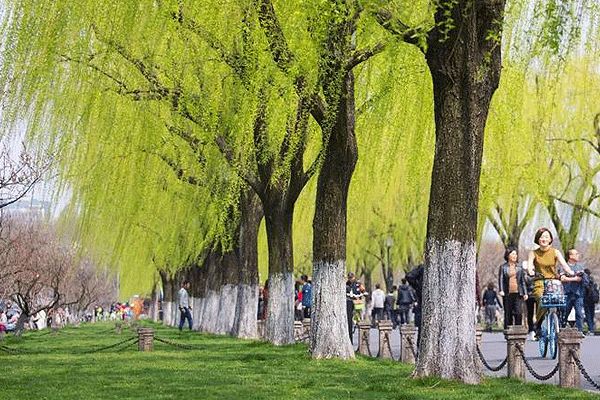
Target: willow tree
[132,122]
[574,147]
[462,51]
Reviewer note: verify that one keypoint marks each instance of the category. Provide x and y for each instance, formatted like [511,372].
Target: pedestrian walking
[378,297]
[574,289]
[354,300]
[406,300]
[183,300]
[491,304]
[591,297]
[390,308]
[306,295]
[512,288]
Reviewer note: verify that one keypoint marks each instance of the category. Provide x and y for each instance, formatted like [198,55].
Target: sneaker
[531,336]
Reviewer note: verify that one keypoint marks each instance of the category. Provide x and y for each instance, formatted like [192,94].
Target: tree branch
[569,141]
[577,206]
[283,56]
[398,28]
[249,178]
[363,55]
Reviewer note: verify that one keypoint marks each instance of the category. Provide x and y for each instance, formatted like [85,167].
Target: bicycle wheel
[553,334]
[543,339]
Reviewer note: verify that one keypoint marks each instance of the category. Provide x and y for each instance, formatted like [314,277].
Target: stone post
[298,328]
[408,343]
[385,336]
[515,336]
[306,327]
[569,339]
[260,328]
[146,339]
[364,329]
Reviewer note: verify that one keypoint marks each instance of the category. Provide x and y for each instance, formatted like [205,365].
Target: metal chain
[411,346]
[583,371]
[129,341]
[485,364]
[303,338]
[175,344]
[532,371]
[389,345]
[360,341]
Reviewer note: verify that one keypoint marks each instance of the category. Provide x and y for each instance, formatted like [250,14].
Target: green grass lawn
[56,367]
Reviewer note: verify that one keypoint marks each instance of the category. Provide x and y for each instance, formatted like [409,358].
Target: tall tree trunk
[329,324]
[167,302]
[228,293]
[465,69]
[213,285]
[247,303]
[197,277]
[279,327]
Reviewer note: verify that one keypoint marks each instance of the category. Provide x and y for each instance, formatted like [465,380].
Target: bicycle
[552,299]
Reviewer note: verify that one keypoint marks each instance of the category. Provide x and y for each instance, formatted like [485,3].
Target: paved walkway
[494,350]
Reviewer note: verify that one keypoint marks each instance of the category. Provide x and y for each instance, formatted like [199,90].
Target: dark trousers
[185,314]
[306,312]
[574,301]
[589,316]
[349,312]
[403,311]
[376,315]
[392,315]
[531,302]
[513,310]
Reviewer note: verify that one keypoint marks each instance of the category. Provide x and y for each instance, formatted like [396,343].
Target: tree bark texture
[247,302]
[228,293]
[167,303]
[465,68]
[210,308]
[329,330]
[280,308]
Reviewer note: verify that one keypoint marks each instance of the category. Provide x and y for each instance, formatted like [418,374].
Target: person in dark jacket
[590,298]
[306,295]
[512,287]
[415,279]
[491,304]
[390,309]
[406,299]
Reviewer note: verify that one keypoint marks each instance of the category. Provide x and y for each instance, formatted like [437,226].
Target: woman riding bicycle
[542,264]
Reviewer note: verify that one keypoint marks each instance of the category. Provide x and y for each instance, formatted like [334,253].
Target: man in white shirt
[184,305]
[378,297]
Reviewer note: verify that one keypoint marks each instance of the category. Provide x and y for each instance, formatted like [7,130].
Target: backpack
[592,294]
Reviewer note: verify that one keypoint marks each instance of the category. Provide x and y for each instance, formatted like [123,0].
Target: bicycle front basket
[554,300]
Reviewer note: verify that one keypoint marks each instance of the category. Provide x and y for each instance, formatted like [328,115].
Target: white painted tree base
[448,348]
[227,306]
[279,328]
[329,336]
[245,326]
